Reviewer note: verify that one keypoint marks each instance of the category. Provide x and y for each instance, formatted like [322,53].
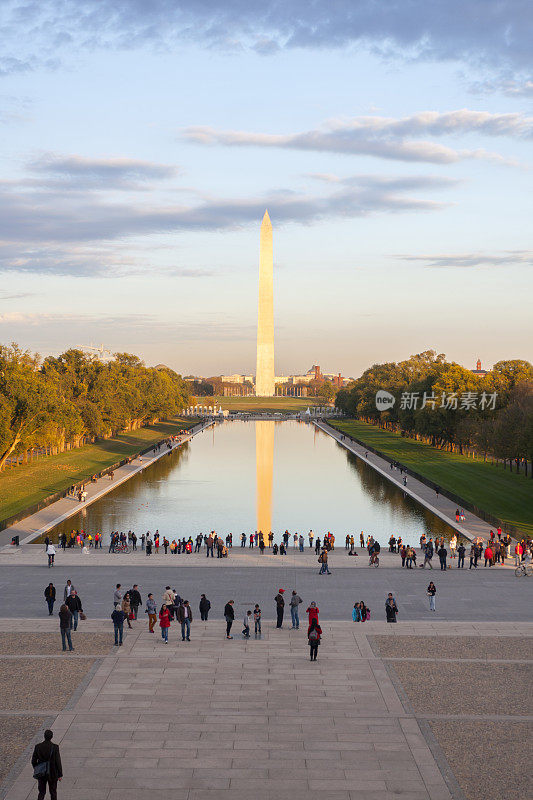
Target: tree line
[450,407]
[54,404]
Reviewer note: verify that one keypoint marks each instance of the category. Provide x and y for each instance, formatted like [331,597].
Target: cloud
[474,31]
[137,327]
[78,172]
[87,234]
[383,137]
[16,296]
[506,258]
[509,86]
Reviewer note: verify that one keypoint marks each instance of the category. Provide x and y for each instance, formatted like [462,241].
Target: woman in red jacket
[164,622]
[313,634]
[312,611]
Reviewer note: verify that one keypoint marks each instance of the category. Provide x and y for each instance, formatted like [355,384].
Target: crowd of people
[174,609]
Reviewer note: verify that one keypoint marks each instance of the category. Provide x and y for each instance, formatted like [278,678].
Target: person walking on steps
[229,616]
[391,609]
[431,592]
[47,767]
[118,616]
[50,597]
[65,622]
[280,605]
[314,633]
[205,607]
[164,622]
[151,610]
[184,617]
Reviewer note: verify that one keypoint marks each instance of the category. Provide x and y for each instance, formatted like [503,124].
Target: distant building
[479,371]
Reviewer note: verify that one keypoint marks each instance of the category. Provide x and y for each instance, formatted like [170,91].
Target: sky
[142,140]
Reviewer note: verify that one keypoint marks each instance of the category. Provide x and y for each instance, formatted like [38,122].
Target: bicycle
[374,560]
[523,570]
[122,547]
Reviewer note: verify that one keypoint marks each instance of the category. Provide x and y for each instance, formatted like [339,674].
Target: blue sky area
[391,143]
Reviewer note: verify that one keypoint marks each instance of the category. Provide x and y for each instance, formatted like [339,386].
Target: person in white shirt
[51,552]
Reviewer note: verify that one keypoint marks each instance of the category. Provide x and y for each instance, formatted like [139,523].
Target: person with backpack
[205,607]
[47,767]
[313,636]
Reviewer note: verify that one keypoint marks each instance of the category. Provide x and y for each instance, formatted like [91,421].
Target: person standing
[461,550]
[117,595]
[50,597]
[280,605]
[135,600]
[51,553]
[312,612]
[453,545]
[117,616]
[391,609]
[442,554]
[184,617]
[126,607]
[65,622]
[314,633]
[210,545]
[151,610]
[257,619]
[431,592]
[356,613]
[488,555]
[73,604]
[46,752]
[205,607]
[68,589]
[164,622]
[229,616]
[323,558]
[428,555]
[295,602]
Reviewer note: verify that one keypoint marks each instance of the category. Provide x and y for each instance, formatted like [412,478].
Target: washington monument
[264,374]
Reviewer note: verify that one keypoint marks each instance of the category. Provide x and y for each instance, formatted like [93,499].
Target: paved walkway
[36,524]
[220,720]
[440,506]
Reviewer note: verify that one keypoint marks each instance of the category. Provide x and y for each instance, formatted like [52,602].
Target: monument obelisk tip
[266,218]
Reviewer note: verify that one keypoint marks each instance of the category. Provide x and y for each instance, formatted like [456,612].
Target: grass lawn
[503,494]
[261,403]
[23,486]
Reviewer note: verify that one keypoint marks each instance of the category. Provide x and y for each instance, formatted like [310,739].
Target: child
[246,623]
[356,613]
[257,619]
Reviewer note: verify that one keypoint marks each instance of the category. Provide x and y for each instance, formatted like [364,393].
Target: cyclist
[374,552]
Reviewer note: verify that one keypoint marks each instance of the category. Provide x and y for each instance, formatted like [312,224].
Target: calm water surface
[246,476]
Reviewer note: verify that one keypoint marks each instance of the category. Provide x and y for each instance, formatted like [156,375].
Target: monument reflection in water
[264,466]
[244,476]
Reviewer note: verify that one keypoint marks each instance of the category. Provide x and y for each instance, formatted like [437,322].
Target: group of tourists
[70,611]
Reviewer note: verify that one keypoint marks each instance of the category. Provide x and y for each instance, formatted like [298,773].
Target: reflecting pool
[246,476]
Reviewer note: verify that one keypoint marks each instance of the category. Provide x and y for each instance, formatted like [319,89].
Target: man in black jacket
[46,751]
[205,606]
[50,596]
[73,603]
[229,616]
[280,605]
[135,600]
